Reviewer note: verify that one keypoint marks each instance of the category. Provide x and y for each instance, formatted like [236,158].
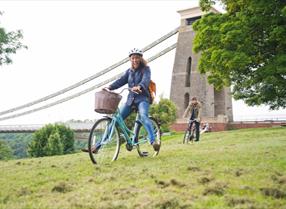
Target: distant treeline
[16,145]
[17,142]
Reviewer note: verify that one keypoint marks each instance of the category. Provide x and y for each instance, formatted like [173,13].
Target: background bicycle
[110,132]
[190,133]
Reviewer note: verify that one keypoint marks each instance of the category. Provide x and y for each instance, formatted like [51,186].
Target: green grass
[234,169]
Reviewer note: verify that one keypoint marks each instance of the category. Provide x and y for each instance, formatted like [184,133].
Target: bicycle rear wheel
[102,148]
[193,136]
[144,148]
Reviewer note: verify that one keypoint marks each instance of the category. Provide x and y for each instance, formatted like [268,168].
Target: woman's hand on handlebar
[136,89]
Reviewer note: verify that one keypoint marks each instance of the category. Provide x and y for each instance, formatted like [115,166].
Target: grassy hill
[234,169]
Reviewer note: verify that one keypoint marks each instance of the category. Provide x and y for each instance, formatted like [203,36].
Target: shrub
[54,139]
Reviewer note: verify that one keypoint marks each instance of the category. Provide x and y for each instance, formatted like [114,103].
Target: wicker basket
[106,102]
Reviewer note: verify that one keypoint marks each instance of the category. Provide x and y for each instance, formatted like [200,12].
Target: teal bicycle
[110,132]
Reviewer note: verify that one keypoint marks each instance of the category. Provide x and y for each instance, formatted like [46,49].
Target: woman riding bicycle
[194,108]
[138,78]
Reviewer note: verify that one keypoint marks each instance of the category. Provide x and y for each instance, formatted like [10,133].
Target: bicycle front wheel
[103,146]
[186,138]
[144,148]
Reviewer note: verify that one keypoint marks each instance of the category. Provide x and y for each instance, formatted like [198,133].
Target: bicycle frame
[129,135]
[193,127]
[190,132]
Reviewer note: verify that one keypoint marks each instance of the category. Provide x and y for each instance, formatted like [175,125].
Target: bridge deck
[76,127]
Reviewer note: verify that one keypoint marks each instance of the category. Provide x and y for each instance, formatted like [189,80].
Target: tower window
[190,21]
[188,74]
[186,100]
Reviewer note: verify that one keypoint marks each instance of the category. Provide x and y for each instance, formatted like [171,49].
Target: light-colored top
[197,111]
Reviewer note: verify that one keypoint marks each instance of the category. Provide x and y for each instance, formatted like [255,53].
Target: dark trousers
[197,124]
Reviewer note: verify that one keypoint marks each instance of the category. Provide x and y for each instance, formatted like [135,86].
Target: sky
[69,41]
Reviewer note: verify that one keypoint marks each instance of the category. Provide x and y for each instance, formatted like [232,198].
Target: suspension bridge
[186,82]
[27,108]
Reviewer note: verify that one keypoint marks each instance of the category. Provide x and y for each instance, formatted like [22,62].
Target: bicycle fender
[106,116]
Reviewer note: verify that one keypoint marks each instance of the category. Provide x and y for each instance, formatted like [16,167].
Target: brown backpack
[151,89]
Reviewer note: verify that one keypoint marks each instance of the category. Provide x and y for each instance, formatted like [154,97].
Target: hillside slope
[234,169]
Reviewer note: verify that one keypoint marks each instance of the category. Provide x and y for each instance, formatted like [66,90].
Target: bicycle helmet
[136,51]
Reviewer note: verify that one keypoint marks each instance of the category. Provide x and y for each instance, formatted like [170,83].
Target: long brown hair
[143,62]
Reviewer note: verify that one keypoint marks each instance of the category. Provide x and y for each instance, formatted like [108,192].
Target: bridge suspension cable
[166,50]
[148,47]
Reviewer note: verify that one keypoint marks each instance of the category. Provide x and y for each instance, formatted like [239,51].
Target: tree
[9,44]
[5,151]
[55,145]
[18,142]
[52,140]
[164,112]
[67,138]
[245,48]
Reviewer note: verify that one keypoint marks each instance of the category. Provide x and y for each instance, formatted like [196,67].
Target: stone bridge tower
[188,82]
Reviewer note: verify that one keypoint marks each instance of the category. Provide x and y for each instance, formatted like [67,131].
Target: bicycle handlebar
[129,89]
[194,120]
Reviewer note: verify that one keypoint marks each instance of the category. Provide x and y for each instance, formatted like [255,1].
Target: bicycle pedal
[129,147]
[145,154]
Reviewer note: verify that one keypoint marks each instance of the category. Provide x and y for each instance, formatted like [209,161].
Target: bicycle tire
[193,135]
[189,135]
[101,152]
[186,138]
[144,148]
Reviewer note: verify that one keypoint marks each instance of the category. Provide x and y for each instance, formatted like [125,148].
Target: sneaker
[156,146]
[93,149]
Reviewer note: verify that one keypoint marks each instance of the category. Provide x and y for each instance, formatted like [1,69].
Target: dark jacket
[139,77]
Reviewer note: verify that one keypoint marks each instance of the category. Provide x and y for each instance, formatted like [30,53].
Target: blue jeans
[143,110]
